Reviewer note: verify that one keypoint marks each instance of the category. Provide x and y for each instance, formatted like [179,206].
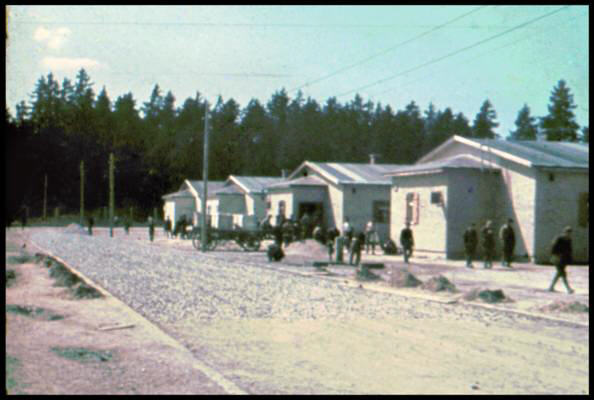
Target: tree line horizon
[157,145]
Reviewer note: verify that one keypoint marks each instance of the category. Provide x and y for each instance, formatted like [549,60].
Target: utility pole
[203,231]
[45,198]
[111,193]
[82,192]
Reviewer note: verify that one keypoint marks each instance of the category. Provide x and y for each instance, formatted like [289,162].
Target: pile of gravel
[487,296]
[566,306]
[402,278]
[438,284]
[75,228]
[308,248]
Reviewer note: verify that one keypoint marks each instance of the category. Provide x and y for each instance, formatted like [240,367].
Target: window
[583,210]
[381,212]
[436,198]
[412,208]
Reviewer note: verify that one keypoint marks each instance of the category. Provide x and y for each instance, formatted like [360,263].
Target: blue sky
[452,56]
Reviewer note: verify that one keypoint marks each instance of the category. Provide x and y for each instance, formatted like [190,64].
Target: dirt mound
[402,278]
[438,284]
[75,228]
[309,248]
[566,306]
[486,295]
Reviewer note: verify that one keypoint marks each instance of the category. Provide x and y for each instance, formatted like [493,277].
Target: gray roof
[461,161]
[181,193]
[301,181]
[543,153]
[256,184]
[356,173]
[229,189]
[213,186]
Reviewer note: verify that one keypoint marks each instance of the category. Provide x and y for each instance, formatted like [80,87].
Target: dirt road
[272,332]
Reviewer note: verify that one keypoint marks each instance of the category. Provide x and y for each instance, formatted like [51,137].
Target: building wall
[430,232]
[516,198]
[472,198]
[557,205]
[275,198]
[256,205]
[230,204]
[358,206]
[177,207]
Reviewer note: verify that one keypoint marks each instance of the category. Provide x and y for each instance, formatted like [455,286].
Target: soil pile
[75,228]
[307,248]
[438,284]
[401,278]
[488,296]
[566,306]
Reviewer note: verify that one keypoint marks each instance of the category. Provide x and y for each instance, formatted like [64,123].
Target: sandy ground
[354,355]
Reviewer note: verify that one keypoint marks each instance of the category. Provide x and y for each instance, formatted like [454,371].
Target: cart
[249,240]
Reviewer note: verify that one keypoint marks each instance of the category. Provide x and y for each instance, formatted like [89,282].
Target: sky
[450,56]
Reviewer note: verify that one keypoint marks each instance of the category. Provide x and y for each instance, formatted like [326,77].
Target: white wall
[557,207]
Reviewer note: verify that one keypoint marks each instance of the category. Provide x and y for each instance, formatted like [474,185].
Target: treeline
[158,144]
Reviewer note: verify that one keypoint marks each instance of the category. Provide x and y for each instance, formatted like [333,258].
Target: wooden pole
[203,231]
[82,192]
[111,193]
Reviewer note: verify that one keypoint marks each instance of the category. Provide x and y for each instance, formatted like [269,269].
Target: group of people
[506,235]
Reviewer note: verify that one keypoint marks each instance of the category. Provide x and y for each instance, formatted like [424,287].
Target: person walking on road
[356,248]
[168,227]
[407,241]
[151,226]
[23,217]
[90,222]
[561,256]
[508,237]
[127,224]
[347,231]
[470,242]
[488,244]
[370,237]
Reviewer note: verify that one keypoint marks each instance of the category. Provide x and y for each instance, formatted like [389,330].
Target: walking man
[508,237]
[168,227]
[347,231]
[356,248]
[23,217]
[127,225]
[407,241]
[90,222]
[470,242]
[370,237]
[151,226]
[488,242]
[561,256]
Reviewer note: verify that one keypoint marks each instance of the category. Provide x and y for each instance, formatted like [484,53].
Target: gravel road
[272,331]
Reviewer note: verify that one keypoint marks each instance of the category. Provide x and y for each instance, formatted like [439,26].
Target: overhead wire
[389,49]
[476,57]
[451,54]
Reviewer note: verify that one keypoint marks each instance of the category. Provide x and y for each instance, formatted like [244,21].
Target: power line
[474,58]
[433,61]
[387,50]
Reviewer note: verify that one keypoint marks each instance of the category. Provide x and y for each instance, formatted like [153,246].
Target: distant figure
[508,237]
[275,253]
[332,234]
[319,234]
[127,224]
[305,226]
[470,242]
[488,244]
[168,227]
[330,246]
[151,226]
[407,241]
[561,256]
[356,248]
[90,222]
[347,231]
[23,218]
[288,231]
[390,248]
[370,237]
[277,231]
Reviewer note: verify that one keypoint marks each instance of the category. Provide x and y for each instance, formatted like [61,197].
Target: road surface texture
[271,331]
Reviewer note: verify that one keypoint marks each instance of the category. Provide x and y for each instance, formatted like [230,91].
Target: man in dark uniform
[488,244]
[470,242]
[288,231]
[561,251]
[168,227]
[305,226]
[407,241]
[356,248]
[508,237]
[91,222]
[151,226]
[127,224]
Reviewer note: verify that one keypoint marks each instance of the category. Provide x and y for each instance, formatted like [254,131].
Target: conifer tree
[484,122]
[526,127]
[560,124]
